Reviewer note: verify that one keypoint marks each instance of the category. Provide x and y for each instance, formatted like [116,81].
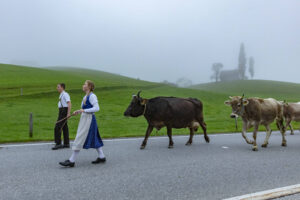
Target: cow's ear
[144,101]
[228,103]
[245,102]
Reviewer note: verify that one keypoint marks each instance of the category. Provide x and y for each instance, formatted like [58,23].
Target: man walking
[64,105]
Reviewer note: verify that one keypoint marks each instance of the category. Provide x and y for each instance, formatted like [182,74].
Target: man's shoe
[99,160]
[57,146]
[67,163]
[66,146]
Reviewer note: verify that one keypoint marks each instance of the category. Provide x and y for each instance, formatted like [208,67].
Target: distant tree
[242,62]
[169,83]
[216,67]
[251,66]
[184,82]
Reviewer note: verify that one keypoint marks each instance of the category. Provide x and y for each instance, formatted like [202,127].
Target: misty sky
[154,40]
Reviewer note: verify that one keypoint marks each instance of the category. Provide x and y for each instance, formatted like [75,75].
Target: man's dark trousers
[63,112]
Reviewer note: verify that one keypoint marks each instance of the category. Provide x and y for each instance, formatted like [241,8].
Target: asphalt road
[224,168]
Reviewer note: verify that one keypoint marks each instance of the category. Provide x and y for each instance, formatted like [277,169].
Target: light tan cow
[255,112]
[291,113]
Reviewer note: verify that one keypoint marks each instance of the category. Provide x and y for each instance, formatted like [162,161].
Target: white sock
[100,152]
[74,155]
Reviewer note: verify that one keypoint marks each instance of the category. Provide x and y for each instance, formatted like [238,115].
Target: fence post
[30,125]
[21,91]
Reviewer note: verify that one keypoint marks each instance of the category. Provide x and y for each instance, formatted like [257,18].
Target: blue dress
[93,139]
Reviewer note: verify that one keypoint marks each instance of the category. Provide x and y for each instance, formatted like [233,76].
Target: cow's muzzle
[232,115]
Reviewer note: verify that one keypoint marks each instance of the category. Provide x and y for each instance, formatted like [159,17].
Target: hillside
[260,88]
[41,80]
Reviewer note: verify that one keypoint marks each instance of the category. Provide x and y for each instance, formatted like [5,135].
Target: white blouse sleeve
[94,101]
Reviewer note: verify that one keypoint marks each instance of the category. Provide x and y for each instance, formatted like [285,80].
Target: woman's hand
[77,112]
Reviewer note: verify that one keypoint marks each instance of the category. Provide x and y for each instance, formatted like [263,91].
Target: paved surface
[224,168]
[291,197]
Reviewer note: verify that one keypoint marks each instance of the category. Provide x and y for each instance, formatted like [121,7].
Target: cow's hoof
[283,144]
[206,139]
[188,144]
[170,146]
[142,147]
[264,145]
[254,148]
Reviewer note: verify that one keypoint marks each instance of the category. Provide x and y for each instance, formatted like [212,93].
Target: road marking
[224,147]
[270,194]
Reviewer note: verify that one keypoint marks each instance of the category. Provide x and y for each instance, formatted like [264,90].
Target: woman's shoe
[67,163]
[99,160]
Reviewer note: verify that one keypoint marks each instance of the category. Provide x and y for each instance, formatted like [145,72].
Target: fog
[153,40]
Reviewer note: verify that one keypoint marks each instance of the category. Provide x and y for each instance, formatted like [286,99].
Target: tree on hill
[242,61]
[184,82]
[216,67]
[251,66]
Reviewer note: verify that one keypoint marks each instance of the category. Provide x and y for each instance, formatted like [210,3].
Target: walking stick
[66,118]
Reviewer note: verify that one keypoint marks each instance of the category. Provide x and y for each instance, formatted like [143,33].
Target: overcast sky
[153,39]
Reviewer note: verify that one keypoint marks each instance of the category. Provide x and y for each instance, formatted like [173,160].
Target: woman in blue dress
[87,133]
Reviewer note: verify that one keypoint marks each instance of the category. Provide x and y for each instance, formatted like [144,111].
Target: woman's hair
[91,85]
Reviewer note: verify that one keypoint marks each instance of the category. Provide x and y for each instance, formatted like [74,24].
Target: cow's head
[237,104]
[136,107]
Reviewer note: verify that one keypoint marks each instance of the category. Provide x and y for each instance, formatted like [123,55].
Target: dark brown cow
[255,112]
[170,112]
[291,113]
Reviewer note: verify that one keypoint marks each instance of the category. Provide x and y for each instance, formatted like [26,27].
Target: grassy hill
[114,92]
[259,88]
[37,80]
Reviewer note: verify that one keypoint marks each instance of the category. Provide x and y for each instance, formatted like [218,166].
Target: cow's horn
[138,94]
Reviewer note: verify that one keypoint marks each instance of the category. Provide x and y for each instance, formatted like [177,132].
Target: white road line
[224,147]
[269,194]
[115,140]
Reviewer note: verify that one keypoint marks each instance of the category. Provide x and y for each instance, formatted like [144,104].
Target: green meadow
[114,93]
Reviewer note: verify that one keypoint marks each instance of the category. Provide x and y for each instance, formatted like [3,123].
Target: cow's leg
[190,141]
[148,132]
[279,123]
[203,126]
[288,124]
[292,130]
[269,131]
[254,147]
[169,131]
[244,133]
